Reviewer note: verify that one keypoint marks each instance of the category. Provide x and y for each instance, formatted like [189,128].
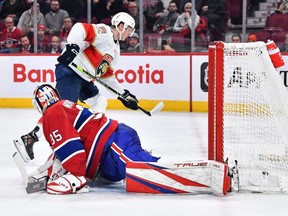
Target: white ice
[172,135]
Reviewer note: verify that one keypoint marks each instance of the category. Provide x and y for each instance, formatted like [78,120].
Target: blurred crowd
[167,25]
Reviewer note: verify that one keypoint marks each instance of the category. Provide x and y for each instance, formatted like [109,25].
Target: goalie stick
[32,184]
[156,109]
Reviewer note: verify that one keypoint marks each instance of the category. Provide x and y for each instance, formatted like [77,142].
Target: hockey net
[248,115]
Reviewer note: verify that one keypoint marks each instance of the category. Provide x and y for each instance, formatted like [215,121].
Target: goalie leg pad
[220,182]
[183,177]
[66,184]
[52,169]
[56,170]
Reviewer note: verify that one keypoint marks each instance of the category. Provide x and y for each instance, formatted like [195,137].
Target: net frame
[261,168]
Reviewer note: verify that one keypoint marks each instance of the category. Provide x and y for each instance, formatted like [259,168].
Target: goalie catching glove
[70,53]
[60,182]
[67,184]
[129,100]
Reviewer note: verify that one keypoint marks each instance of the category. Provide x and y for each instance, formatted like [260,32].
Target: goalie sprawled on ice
[89,145]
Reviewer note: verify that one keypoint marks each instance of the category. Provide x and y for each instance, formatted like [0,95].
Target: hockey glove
[129,100]
[67,184]
[70,53]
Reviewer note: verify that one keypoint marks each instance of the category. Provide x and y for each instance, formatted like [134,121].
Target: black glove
[70,53]
[129,100]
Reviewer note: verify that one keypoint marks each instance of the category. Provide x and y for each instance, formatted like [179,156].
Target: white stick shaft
[20,164]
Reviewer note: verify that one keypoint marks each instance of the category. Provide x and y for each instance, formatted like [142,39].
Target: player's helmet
[44,96]
[126,19]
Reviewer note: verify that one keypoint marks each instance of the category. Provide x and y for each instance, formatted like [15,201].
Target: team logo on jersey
[103,65]
[101,30]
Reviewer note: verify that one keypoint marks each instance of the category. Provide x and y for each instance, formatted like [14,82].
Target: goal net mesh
[254,106]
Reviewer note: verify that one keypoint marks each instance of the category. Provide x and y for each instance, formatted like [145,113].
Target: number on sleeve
[55,136]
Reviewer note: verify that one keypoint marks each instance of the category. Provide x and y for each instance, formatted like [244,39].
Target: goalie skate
[24,145]
[21,149]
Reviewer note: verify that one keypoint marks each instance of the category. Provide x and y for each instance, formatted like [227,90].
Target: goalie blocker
[188,177]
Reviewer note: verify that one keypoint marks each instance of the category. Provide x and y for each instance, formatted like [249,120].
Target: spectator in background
[165,22]
[43,39]
[133,44]
[64,32]
[183,24]
[282,8]
[55,18]
[251,38]
[45,6]
[166,45]
[217,19]
[284,48]
[13,8]
[152,10]
[10,37]
[26,21]
[114,7]
[236,38]
[73,7]
[26,46]
[134,12]
[54,45]
[98,10]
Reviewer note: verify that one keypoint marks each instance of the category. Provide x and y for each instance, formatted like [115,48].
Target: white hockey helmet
[124,18]
[44,96]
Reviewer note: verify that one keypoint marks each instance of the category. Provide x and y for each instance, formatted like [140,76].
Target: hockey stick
[32,184]
[21,167]
[156,109]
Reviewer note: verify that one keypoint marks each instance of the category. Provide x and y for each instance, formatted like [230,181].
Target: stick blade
[37,185]
[157,108]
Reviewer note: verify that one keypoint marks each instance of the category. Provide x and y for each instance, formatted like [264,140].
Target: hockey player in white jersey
[94,48]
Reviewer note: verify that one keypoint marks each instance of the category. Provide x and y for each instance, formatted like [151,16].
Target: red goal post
[248,115]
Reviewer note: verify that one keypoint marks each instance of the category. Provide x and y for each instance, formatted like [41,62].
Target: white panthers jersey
[99,52]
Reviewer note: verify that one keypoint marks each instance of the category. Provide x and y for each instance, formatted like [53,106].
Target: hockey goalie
[90,146]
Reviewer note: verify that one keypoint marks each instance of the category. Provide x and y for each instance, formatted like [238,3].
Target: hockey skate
[233,173]
[24,145]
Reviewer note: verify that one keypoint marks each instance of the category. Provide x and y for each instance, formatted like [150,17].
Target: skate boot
[24,145]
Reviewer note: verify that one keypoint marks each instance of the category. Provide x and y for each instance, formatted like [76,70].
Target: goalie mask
[44,96]
[124,18]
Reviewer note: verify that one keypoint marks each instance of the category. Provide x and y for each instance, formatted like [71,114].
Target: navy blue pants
[71,86]
[124,145]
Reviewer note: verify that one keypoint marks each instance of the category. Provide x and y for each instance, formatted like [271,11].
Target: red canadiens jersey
[77,136]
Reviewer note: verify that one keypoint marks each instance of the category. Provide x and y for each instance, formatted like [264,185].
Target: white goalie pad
[52,169]
[184,177]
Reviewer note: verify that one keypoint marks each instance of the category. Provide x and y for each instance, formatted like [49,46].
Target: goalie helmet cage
[248,115]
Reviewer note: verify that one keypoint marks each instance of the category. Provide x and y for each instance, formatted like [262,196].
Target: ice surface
[172,135]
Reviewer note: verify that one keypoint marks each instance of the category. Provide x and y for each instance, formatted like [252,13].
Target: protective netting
[255,120]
